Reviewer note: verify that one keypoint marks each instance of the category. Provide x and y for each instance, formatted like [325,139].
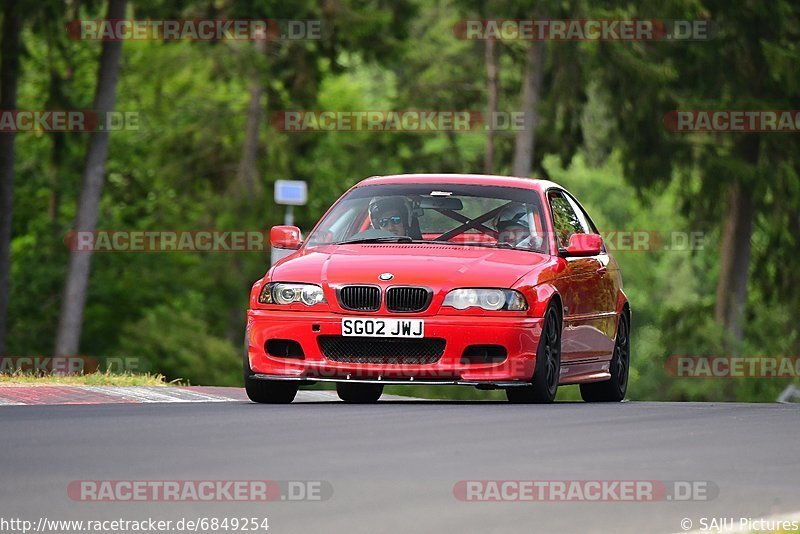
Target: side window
[587,222]
[565,219]
[587,226]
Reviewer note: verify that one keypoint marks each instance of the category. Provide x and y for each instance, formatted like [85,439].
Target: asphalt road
[393,466]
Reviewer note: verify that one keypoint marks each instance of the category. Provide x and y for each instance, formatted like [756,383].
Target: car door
[580,285]
[605,290]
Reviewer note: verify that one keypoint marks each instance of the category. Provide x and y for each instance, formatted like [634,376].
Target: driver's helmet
[380,205]
[513,215]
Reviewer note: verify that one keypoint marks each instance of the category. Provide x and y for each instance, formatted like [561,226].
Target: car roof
[472,179]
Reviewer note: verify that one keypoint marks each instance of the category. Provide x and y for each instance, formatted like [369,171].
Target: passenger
[513,227]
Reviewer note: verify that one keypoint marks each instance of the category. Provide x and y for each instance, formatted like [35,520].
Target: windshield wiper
[490,245]
[407,239]
[381,239]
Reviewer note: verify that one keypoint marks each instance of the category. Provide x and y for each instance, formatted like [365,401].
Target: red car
[484,281]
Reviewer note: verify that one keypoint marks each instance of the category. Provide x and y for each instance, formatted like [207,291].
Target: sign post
[289,193]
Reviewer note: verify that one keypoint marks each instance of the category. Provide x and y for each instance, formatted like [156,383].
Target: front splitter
[399,382]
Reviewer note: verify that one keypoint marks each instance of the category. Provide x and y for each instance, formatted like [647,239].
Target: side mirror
[285,237]
[584,245]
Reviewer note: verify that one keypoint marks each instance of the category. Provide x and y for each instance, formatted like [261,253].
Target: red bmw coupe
[484,281]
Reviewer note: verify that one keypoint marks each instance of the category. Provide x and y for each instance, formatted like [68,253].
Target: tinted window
[463,214]
[565,220]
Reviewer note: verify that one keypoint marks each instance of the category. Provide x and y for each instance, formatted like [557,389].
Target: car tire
[546,373]
[613,389]
[270,391]
[359,393]
[266,391]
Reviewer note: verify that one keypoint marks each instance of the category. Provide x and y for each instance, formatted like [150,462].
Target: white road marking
[150,394]
[166,394]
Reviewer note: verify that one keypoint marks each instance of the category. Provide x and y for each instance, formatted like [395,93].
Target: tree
[529,101]
[247,175]
[492,90]
[74,301]
[732,177]
[9,77]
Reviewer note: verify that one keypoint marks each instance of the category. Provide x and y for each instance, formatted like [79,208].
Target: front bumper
[518,335]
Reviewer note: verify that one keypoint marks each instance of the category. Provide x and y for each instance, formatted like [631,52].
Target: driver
[390,214]
[513,227]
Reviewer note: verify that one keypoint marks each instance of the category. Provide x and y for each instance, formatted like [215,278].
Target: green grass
[93,379]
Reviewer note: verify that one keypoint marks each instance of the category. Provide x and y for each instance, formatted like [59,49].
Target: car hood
[435,266]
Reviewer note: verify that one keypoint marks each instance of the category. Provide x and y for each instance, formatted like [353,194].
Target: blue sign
[291,192]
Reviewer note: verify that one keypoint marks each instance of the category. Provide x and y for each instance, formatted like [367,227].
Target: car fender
[543,294]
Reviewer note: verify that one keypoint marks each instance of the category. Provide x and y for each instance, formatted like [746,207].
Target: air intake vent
[408,299]
[382,351]
[360,298]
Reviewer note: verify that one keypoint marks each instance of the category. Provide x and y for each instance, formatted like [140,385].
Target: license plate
[356,326]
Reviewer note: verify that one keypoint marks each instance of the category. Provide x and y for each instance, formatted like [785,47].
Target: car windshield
[470,215]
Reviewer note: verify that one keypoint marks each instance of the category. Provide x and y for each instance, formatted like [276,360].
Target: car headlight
[487,299]
[282,293]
